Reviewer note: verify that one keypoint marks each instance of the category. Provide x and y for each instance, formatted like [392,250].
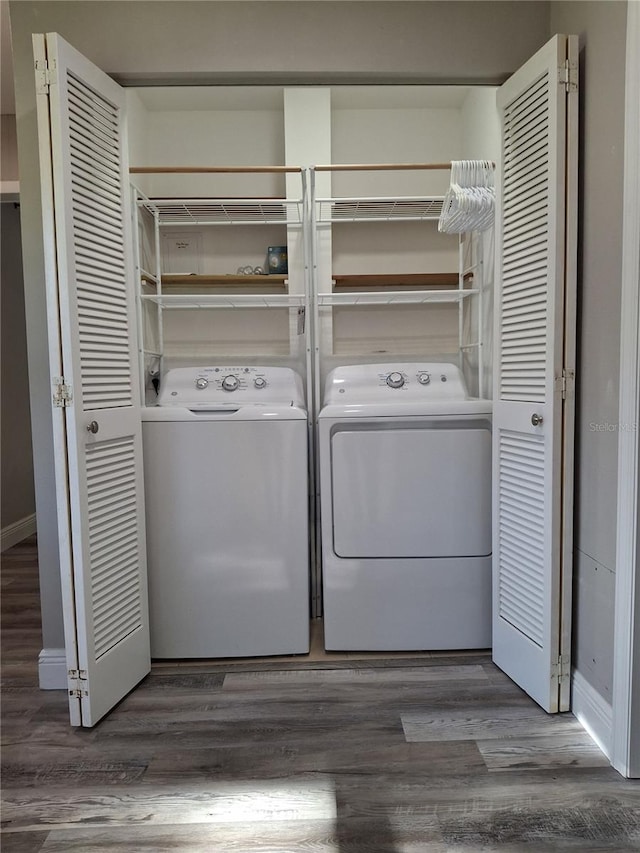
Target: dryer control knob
[201,383]
[395,380]
[260,382]
[424,378]
[230,382]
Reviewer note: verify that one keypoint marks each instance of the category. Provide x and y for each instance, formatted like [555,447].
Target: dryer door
[412,491]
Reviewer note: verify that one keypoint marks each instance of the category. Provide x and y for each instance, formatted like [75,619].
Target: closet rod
[377,167]
[196,170]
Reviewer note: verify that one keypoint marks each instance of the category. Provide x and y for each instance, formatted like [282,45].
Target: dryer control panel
[388,383]
[203,386]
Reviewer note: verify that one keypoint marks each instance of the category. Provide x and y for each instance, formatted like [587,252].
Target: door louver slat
[527,222]
[87,187]
[99,247]
[98,299]
[94,278]
[526,174]
[90,229]
[106,213]
[113,499]
[97,111]
[527,139]
[108,254]
[112,465]
[113,560]
[521,565]
[524,199]
[525,247]
[92,321]
[96,141]
[85,166]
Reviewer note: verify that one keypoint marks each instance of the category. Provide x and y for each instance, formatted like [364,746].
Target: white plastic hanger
[469,204]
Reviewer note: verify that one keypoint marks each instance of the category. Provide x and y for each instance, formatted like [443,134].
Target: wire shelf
[379,209]
[207,211]
[218,300]
[402,297]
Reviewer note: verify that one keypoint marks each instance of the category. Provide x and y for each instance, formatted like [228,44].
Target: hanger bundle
[469,204]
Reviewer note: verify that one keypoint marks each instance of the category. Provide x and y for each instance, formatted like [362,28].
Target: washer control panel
[390,383]
[199,387]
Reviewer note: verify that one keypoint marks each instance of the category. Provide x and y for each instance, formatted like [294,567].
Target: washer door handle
[536,419]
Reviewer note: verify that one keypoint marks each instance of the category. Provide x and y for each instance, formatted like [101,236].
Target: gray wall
[8,148]
[237,42]
[17,500]
[296,42]
[602,30]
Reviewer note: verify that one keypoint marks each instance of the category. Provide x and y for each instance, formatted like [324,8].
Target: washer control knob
[201,383]
[259,382]
[230,382]
[424,378]
[395,380]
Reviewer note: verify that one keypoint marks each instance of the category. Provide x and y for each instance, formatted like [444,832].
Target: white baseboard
[593,712]
[16,532]
[52,669]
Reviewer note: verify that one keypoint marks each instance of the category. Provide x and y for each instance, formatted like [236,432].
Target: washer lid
[251,412]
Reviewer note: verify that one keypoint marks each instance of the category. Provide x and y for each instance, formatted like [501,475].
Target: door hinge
[62,393]
[78,689]
[568,76]
[46,76]
[565,382]
[561,669]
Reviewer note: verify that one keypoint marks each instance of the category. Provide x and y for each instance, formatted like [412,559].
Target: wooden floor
[332,755]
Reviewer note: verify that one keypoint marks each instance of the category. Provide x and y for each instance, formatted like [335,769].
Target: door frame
[625,749]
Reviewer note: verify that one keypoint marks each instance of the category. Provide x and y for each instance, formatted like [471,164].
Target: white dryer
[226,486]
[405,496]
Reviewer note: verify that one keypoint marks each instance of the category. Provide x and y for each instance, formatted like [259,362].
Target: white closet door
[97,435]
[533,423]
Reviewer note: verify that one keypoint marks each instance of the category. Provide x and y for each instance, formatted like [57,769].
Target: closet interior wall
[178,278]
[210,224]
[254,126]
[402,125]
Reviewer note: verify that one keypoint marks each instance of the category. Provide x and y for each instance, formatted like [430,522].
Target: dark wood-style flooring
[326,754]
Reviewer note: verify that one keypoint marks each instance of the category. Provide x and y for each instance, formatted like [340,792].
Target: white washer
[226,485]
[405,496]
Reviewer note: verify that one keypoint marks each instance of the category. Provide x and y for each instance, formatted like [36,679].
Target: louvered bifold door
[105,561]
[536,290]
